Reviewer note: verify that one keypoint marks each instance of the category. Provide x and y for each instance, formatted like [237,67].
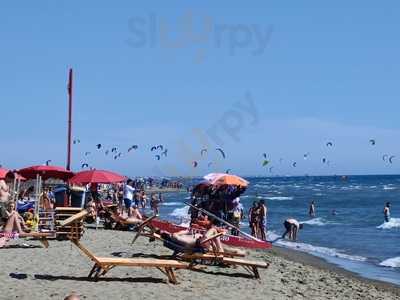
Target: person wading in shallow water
[292,227]
[311,211]
[386,212]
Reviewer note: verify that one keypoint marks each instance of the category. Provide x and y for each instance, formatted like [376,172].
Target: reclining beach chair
[200,256]
[40,236]
[102,265]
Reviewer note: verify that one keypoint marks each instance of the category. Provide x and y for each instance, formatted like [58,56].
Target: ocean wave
[393,223]
[391,262]
[389,187]
[316,221]
[308,248]
[277,198]
[181,212]
[172,203]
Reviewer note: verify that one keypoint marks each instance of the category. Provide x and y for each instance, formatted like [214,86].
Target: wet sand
[38,273]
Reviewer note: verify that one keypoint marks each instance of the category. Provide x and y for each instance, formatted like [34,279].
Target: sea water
[355,238]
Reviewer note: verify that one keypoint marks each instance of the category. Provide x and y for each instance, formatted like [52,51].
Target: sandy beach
[38,273]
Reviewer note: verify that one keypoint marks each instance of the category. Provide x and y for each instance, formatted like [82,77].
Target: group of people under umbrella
[218,195]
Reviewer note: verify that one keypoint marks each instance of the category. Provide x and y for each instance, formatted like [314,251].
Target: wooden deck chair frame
[40,236]
[225,258]
[103,265]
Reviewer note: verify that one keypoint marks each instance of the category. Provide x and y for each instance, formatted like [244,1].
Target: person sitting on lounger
[14,223]
[135,219]
[190,240]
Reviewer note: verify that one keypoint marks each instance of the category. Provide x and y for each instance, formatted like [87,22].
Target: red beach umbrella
[3,173]
[96,176]
[46,172]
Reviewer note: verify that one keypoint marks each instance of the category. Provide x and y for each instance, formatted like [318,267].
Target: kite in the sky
[98,146]
[84,166]
[227,171]
[329,144]
[195,164]
[391,159]
[77,141]
[265,162]
[222,152]
[165,152]
[385,157]
[87,153]
[154,148]
[203,151]
[373,142]
[158,157]
[294,164]
[48,162]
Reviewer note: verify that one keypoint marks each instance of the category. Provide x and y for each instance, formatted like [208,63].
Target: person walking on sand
[311,211]
[292,227]
[154,203]
[386,212]
[129,191]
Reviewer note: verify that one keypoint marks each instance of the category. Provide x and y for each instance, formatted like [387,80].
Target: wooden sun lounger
[191,250]
[248,265]
[73,219]
[41,236]
[102,265]
[223,258]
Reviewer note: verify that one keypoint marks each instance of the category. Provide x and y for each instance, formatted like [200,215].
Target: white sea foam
[393,223]
[172,203]
[181,212]
[313,249]
[388,187]
[391,262]
[315,221]
[278,198]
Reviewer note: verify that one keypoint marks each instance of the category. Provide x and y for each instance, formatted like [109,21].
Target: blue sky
[328,72]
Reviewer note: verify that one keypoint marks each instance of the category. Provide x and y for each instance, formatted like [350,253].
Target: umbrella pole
[14,191]
[224,222]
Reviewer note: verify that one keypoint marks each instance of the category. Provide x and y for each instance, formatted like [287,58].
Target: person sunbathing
[198,240]
[135,219]
[14,224]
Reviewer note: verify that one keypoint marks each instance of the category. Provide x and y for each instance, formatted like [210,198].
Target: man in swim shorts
[129,191]
[292,227]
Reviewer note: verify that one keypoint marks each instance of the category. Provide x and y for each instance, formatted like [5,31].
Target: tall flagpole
[70,86]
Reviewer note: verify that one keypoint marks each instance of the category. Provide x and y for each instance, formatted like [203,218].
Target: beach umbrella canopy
[14,174]
[3,173]
[226,179]
[96,176]
[46,172]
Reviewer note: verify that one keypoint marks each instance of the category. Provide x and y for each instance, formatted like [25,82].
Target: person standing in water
[312,209]
[262,226]
[386,212]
